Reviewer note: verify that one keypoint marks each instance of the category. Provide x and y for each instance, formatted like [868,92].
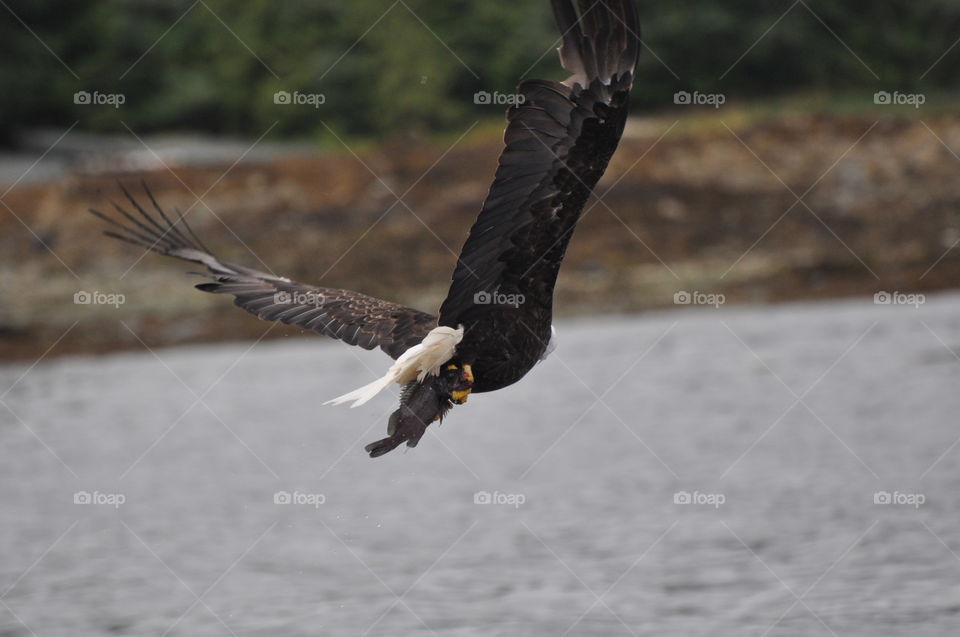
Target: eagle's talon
[464,384]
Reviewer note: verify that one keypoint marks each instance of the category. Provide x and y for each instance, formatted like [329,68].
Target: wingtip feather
[601,38]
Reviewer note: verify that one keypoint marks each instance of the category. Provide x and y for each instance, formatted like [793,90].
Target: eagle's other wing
[558,143]
[352,317]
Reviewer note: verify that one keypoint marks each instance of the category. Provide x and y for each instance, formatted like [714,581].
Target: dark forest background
[220,64]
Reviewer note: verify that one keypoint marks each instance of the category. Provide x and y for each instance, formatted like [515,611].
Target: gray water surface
[783,424]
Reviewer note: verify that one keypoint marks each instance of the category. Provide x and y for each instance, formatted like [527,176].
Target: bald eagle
[496,321]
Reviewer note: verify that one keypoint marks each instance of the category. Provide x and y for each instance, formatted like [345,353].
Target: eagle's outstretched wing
[352,317]
[558,142]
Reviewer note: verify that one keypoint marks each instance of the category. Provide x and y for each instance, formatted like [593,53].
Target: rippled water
[784,422]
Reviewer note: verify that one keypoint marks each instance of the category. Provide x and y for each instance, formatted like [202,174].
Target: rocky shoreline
[781,208]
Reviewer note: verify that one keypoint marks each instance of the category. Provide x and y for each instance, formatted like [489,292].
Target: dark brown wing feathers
[558,143]
[356,319]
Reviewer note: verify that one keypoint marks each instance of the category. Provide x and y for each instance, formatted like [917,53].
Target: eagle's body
[504,340]
[496,322]
[502,348]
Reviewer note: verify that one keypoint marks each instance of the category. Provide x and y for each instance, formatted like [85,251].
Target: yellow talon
[460,396]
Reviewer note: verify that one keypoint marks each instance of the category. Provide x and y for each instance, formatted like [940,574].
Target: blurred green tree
[390,66]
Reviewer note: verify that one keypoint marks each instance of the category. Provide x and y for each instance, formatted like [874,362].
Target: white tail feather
[416,363]
[363,394]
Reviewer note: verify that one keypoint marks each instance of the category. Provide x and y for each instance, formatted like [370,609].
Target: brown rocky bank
[685,206]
